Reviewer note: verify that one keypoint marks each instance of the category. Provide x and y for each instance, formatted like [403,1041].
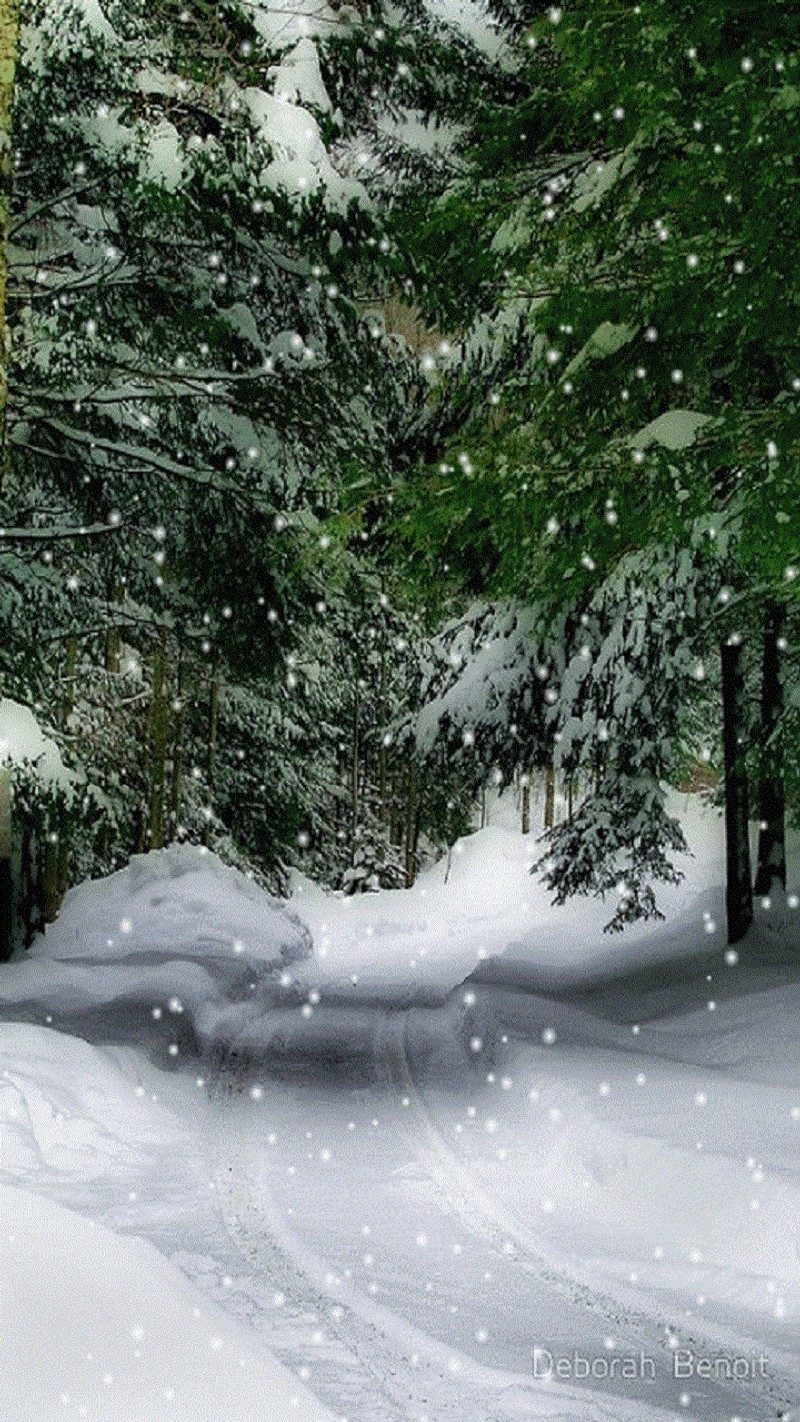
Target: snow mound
[161,950]
[182,900]
[482,910]
[104,1327]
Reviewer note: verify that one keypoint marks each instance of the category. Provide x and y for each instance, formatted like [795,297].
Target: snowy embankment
[162,952]
[481,910]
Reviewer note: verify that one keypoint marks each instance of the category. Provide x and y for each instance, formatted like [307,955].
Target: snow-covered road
[395,1206]
[240,1180]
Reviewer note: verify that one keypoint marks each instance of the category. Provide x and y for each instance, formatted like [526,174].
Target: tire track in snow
[361,1359]
[486,1217]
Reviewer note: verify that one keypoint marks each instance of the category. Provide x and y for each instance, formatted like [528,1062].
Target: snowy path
[413,1285]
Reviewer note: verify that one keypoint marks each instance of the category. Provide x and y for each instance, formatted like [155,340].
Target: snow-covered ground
[516,1169]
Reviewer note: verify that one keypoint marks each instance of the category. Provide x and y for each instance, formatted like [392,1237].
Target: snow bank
[163,947]
[182,901]
[72,1118]
[103,1327]
[480,908]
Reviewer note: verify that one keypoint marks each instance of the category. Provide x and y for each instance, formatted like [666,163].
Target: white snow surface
[400,1189]
[675,429]
[298,78]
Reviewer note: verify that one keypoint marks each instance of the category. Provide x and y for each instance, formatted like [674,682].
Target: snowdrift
[104,1327]
[158,951]
[481,911]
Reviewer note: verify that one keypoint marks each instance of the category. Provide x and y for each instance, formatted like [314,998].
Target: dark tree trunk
[738,889]
[213,723]
[354,766]
[9,44]
[549,797]
[159,734]
[179,722]
[772,835]
[70,663]
[526,804]
[6,878]
[412,827]
[113,637]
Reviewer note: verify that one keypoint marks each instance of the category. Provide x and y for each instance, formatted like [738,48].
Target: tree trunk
[354,762]
[159,728]
[6,934]
[412,827]
[526,804]
[738,888]
[113,637]
[9,41]
[549,797]
[772,835]
[381,744]
[213,720]
[51,895]
[70,662]
[176,785]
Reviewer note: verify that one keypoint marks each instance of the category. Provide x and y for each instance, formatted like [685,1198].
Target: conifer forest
[399,710]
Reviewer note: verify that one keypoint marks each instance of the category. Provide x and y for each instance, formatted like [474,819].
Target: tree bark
[412,827]
[159,728]
[549,797]
[179,724]
[70,663]
[9,42]
[6,914]
[354,761]
[772,834]
[738,888]
[51,894]
[526,804]
[213,720]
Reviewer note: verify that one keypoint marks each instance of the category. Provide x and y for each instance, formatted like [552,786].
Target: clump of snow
[300,164]
[675,429]
[606,340]
[93,17]
[599,178]
[298,78]
[22,739]
[162,162]
[104,1326]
